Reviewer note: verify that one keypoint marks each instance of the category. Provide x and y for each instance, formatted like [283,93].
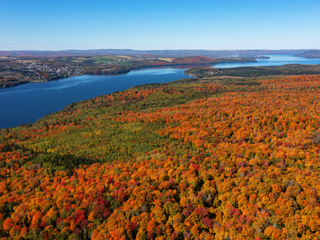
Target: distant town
[18,67]
[20,70]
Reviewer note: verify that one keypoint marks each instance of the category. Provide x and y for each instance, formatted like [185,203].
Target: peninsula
[16,70]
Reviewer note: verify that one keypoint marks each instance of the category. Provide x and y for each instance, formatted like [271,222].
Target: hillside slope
[309,54]
[183,160]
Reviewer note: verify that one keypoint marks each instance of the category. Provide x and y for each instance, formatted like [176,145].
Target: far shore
[123,71]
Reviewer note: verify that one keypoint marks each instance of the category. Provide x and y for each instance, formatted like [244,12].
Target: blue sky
[159,24]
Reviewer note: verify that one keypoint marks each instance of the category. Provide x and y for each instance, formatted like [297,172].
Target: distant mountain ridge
[310,54]
[162,53]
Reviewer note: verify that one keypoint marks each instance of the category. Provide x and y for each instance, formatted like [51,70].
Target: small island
[262,57]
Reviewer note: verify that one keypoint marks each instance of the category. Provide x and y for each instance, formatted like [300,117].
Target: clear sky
[159,24]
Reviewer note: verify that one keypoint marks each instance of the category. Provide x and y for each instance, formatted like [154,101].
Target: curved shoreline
[120,72]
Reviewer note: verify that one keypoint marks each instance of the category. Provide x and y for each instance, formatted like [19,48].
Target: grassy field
[97,59]
[166,59]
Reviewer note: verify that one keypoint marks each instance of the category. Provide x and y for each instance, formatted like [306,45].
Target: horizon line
[146,50]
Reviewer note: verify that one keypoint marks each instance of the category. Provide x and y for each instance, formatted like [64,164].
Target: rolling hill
[182,160]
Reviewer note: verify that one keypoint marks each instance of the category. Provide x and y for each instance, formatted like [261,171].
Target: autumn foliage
[181,161]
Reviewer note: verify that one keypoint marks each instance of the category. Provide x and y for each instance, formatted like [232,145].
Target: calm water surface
[275,60]
[29,102]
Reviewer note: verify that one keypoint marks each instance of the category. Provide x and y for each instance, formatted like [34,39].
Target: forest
[309,54]
[252,72]
[192,159]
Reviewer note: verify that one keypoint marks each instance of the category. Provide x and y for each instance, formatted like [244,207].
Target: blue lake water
[29,102]
[275,60]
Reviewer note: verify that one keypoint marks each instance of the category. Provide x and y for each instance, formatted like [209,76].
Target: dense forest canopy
[250,72]
[191,159]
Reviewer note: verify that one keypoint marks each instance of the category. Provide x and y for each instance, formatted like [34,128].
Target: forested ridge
[183,160]
[250,72]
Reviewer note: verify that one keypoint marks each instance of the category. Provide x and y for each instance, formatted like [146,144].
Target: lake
[28,102]
[275,60]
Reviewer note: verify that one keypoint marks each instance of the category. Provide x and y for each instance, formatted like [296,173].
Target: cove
[29,102]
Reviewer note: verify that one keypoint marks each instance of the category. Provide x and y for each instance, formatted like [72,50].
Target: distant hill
[309,54]
[160,53]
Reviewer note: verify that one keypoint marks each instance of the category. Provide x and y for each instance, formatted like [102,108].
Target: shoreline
[293,69]
[118,73]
